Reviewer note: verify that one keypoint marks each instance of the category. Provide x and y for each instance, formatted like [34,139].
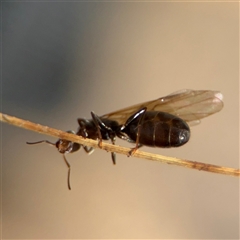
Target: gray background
[61,60]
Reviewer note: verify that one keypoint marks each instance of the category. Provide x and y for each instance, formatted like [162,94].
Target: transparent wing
[189,105]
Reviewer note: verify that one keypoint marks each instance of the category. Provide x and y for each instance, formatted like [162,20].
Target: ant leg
[140,113]
[97,121]
[133,150]
[113,154]
[88,150]
[100,125]
[69,169]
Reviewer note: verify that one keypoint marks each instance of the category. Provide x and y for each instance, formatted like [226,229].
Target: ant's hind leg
[133,150]
[141,114]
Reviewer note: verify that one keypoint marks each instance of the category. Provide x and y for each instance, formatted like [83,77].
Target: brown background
[63,60]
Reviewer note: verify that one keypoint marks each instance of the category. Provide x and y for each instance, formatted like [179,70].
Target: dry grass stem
[117,149]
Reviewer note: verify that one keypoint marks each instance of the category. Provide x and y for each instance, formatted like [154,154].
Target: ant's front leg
[104,132]
[88,150]
[99,124]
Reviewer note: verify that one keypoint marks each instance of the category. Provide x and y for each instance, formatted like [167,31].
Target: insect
[163,122]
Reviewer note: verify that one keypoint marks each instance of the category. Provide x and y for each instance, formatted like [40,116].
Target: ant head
[63,146]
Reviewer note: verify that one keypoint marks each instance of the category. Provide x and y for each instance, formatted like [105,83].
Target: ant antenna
[57,145]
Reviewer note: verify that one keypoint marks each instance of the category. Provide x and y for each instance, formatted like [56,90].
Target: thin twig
[117,149]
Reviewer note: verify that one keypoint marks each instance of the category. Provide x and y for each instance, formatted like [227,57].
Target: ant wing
[189,105]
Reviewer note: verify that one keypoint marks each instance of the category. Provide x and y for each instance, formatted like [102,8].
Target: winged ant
[163,122]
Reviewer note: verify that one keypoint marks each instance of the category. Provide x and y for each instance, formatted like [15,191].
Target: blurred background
[61,60]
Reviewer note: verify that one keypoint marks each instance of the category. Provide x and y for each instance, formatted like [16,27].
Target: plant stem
[117,149]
